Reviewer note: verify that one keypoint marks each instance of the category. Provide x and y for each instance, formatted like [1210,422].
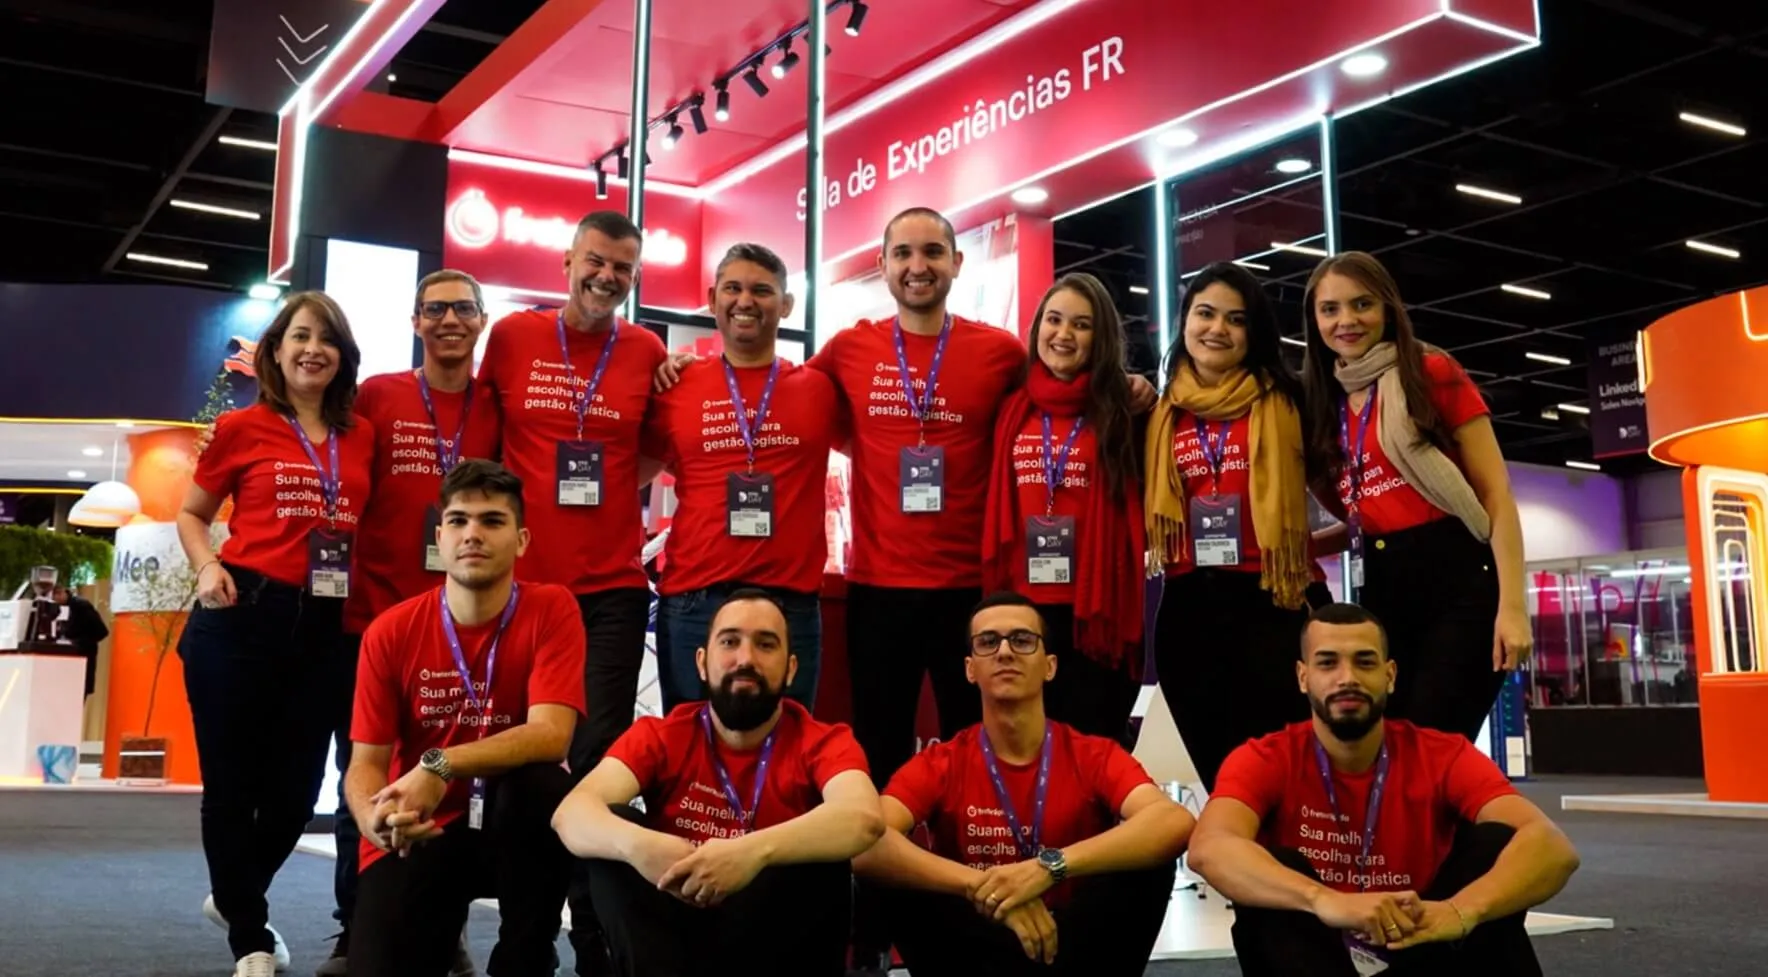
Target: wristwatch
[436,762]
[1053,860]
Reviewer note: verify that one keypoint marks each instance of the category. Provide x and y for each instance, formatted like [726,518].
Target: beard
[1355,726]
[741,711]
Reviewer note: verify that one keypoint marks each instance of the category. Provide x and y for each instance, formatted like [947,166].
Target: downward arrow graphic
[298,59]
[297,34]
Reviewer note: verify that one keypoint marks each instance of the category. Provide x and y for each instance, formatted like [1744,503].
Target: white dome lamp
[110,504]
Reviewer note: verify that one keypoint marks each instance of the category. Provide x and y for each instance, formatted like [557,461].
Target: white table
[42,701]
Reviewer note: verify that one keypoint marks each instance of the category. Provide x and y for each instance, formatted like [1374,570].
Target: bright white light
[1291,340]
[1714,124]
[1300,249]
[1255,266]
[373,284]
[76,473]
[1533,293]
[92,451]
[265,292]
[154,259]
[1548,358]
[391,78]
[125,424]
[1715,249]
[250,215]
[268,147]
[1574,408]
[1364,65]
[1549,414]
[1498,195]
[1178,138]
[1587,466]
[1294,166]
[1030,195]
[1138,290]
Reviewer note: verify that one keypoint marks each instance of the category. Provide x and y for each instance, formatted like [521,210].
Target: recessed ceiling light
[76,473]
[1138,290]
[1523,290]
[1300,249]
[1587,466]
[265,292]
[1498,195]
[92,451]
[1574,408]
[1294,165]
[1364,65]
[1178,138]
[1715,249]
[154,259]
[1030,195]
[268,147]
[1707,122]
[391,77]
[250,215]
[1549,414]
[1548,358]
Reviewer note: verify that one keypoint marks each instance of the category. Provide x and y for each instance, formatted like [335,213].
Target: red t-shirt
[692,428]
[1071,500]
[586,548]
[981,364]
[407,483]
[1389,504]
[257,458]
[1200,480]
[408,690]
[947,787]
[1435,781]
[671,759]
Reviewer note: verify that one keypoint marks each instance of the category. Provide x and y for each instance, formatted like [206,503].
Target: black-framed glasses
[988,643]
[463,309]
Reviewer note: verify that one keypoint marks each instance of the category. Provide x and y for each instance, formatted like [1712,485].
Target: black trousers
[1283,943]
[1435,589]
[791,920]
[1107,929]
[410,911]
[266,679]
[1226,658]
[896,635]
[1089,695]
[344,830]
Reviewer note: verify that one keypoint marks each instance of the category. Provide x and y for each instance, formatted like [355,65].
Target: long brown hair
[1325,455]
[340,393]
[1108,392]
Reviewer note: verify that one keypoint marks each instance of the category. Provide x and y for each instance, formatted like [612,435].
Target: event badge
[1215,530]
[1355,555]
[923,478]
[580,473]
[1049,549]
[749,499]
[328,563]
[432,548]
[476,805]
[1365,958]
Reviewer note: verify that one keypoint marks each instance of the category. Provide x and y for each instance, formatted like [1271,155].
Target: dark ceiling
[112,127]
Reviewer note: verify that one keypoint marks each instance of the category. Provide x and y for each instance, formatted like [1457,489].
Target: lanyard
[1356,460]
[330,483]
[1215,450]
[1370,814]
[447,452]
[586,396]
[744,428]
[921,405]
[746,816]
[1055,466]
[1000,787]
[460,658]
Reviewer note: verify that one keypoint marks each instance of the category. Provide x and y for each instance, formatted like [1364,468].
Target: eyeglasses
[986,644]
[463,309]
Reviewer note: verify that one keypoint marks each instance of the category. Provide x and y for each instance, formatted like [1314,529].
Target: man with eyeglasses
[1053,852]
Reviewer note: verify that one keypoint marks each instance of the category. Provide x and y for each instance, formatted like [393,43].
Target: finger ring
[993,899]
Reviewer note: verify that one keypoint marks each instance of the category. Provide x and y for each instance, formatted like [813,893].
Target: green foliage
[218,401]
[81,560]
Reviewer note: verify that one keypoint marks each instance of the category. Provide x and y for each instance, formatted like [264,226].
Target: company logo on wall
[473,221]
[241,352]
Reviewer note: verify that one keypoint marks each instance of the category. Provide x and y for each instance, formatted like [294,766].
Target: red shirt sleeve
[828,359]
[1115,775]
[1452,391]
[492,360]
[836,753]
[1472,781]
[641,749]
[375,716]
[920,783]
[557,675]
[1254,775]
[654,440]
[228,453]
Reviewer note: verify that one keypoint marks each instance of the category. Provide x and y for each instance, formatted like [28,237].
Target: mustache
[1350,694]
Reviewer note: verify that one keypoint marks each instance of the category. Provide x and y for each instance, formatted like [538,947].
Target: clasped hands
[702,876]
[403,812]
[1012,896]
[1393,920]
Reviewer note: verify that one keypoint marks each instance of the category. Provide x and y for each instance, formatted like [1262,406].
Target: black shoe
[869,963]
[592,955]
[336,965]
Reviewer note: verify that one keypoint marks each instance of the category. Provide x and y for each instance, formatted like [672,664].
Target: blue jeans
[684,621]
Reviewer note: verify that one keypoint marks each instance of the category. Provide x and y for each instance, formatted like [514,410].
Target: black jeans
[266,679]
[1435,589]
[1226,657]
[791,920]
[895,636]
[1089,695]
[1107,929]
[344,831]
[410,911]
[684,623]
[1285,943]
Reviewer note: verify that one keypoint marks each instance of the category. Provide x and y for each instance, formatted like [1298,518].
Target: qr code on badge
[1061,574]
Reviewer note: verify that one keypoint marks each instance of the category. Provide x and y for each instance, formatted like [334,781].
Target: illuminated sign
[475,222]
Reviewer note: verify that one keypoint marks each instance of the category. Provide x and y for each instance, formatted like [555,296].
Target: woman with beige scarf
[1401,444]
[1226,507]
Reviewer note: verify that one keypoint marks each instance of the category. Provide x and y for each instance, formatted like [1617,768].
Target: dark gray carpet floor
[103,884]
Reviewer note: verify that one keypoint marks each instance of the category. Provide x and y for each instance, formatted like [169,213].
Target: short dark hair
[951,236]
[447,275]
[743,595]
[487,478]
[755,254]
[1345,614]
[1003,598]
[612,224]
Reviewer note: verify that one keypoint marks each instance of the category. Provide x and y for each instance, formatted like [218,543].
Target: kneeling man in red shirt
[466,698]
[1355,845]
[1049,847]
[752,812]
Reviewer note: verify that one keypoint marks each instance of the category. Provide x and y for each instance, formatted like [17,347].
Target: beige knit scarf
[1421,464]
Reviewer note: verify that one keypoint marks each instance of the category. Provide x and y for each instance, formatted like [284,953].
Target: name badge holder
[447,456]
[1214,520]
[921,469]
[481,704]
[1032,842]
[1049,538]
[579,462]
[749,495]
[1353,520]
[1367,959]
[328,547]
[745,816]
[432,536]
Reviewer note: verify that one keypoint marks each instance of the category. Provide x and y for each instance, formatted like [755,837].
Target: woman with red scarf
[1064,519]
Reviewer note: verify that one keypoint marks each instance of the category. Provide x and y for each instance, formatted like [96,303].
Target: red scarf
[1109,560]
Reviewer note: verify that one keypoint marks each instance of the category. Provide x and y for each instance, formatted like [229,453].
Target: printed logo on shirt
[1333,847]
[701,820]
[442,701]
[414,449]
[303,496]
[1376,482]
[990,842]
[719,432]
[1028,464]
[887,399]
[1193,463]
[553,386]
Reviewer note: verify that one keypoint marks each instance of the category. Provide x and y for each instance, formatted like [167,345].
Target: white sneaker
[258,964]
[281,957]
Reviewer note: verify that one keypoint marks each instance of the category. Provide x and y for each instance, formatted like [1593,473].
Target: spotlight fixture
[623,166]
[92,451]
[1030,196]
[756,85]
[76,473]
[674,134]
[1364,65]
[697,114]
[788,61]
[1138,290]
[264,292]
[722,111]
[856,18]
[1178,138]
[601,182]
[1294,165]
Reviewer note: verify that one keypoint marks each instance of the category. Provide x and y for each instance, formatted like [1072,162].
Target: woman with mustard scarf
[1227,516]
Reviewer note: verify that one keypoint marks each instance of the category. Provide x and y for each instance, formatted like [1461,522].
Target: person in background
[263,653]
[1353,844]
[1401,446]
[754,809]
[1052,850]
[85,630]
[1228,521]
[464,708]
[1064,514]
[572,386]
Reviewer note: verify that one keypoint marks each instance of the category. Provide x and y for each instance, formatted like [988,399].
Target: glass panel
[1737,539]
[1612,631]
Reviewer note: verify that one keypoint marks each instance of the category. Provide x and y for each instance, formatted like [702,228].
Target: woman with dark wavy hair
[1400,443]
[1228,521]
[1063,523]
